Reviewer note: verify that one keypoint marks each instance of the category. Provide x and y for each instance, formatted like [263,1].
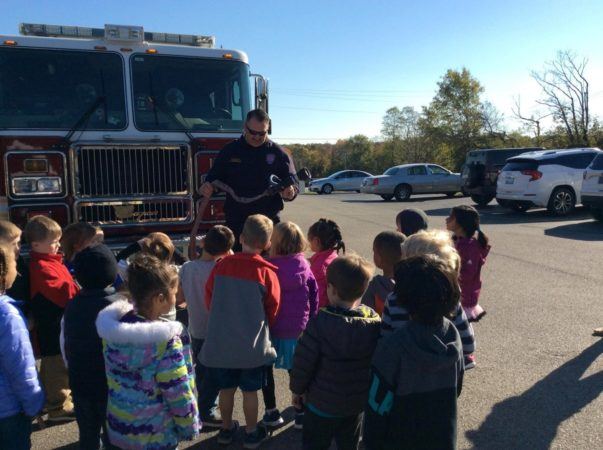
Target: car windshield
[53,89]
[175,93]
[391,171]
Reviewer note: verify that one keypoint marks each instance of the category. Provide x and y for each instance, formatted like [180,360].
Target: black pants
[320,431]
[15,432]
[91,417]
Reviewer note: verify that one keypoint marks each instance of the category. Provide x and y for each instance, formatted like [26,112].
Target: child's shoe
[299,421]
[273,418]
[256,437]
[474,313]
[212,420]
[225,437]
[61,415]
[469,361]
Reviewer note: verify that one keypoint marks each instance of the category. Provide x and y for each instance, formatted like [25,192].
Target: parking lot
[539,373]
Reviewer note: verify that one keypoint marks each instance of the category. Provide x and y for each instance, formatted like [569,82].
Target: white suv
[592,188]
[549,178]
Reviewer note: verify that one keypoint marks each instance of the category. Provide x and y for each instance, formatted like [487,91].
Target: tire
[562,201]
[327,189]
[387,197]
[402,192]
[482,200]
[451,194]
[597,214]
[503,203]
[518,207]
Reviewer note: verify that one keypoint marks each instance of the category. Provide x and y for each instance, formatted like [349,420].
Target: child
[217,243]
[152,400]
[76,237]
[156,244]
[417,371]
[299,303]
[20,391]
[52,288]
[439,244]
[464,224]
[387,251]
[95,270]
[410,221]
[242,296]
[10,237]
[325,241]
[332,360]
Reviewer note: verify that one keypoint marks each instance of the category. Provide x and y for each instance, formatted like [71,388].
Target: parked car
[403,181]
[344,180]
[592,188]
[481,169]
[550,179]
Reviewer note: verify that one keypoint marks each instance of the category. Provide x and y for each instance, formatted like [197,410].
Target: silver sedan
[403,181]
[344,180]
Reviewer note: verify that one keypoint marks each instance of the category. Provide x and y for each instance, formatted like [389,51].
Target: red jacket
[50,278]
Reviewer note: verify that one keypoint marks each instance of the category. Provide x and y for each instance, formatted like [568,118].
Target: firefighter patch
[270,157]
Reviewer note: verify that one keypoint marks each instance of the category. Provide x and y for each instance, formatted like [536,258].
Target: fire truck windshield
[172,93]
[52,89]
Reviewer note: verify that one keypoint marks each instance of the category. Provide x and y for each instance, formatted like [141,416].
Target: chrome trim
[27,205]
[99,202]
[36,152]
[126,157]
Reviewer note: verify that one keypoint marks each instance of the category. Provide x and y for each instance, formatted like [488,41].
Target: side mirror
[261,92]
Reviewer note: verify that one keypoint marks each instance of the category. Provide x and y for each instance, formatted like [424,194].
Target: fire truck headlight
[36,185]
[50,185]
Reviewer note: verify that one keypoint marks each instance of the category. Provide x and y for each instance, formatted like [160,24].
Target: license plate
[509,180]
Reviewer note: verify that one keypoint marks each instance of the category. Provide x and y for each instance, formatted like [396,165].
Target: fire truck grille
[117,213]
[117,171]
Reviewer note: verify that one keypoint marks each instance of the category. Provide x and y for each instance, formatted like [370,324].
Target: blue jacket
[20,390]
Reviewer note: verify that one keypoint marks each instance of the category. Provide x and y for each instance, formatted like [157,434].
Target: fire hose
[275,186]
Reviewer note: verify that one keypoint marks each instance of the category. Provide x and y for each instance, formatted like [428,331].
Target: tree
[565,92]
[533,121]
[455,116]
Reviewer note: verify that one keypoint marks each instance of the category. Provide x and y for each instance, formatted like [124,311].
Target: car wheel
[451,194]
[597,214]
[402,192]
[562,201]
[327,189]
[482,200]
[387,197]
[503,203]
[518,207]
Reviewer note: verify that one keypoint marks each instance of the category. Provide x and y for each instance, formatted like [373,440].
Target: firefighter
[246,166]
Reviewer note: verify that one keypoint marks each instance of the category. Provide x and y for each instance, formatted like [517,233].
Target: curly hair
[328,234]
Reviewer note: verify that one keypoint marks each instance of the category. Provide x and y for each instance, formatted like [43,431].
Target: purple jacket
[299,296]
[473,257]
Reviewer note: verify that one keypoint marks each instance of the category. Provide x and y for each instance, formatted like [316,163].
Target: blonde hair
[8,268]
[433,242]
[257,231]
[158,245]
[41,228]
[9,231]
[288,239]
[76,235]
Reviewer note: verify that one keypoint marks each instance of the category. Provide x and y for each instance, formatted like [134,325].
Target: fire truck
[117,126]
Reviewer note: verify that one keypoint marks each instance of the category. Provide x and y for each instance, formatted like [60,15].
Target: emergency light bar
[116,33]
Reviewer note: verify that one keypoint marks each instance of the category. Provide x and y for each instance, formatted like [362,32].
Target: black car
[481,169]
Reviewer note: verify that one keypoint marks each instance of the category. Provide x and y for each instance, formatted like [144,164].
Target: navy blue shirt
[247,171]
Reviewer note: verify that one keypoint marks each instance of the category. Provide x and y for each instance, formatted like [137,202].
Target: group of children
[364,356]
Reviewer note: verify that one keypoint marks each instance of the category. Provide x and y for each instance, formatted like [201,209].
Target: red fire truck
[117,126]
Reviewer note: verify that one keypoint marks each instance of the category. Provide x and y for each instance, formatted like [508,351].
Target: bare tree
[565,94]
[533,121]
[493,120]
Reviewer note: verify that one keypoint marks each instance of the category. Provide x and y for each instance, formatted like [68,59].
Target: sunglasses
[256,133]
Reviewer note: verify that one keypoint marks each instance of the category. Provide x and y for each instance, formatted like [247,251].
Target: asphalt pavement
[539,374]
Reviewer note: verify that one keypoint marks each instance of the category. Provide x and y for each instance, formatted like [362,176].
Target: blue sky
[335,67]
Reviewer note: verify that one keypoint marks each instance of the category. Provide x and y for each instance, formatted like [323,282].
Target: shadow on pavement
[530,420]
[378,199]
[586,231]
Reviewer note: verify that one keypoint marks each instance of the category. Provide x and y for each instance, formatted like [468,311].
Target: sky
[335,67]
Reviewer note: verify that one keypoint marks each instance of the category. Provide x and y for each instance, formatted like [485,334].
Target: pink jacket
[318,264]
[473,257]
